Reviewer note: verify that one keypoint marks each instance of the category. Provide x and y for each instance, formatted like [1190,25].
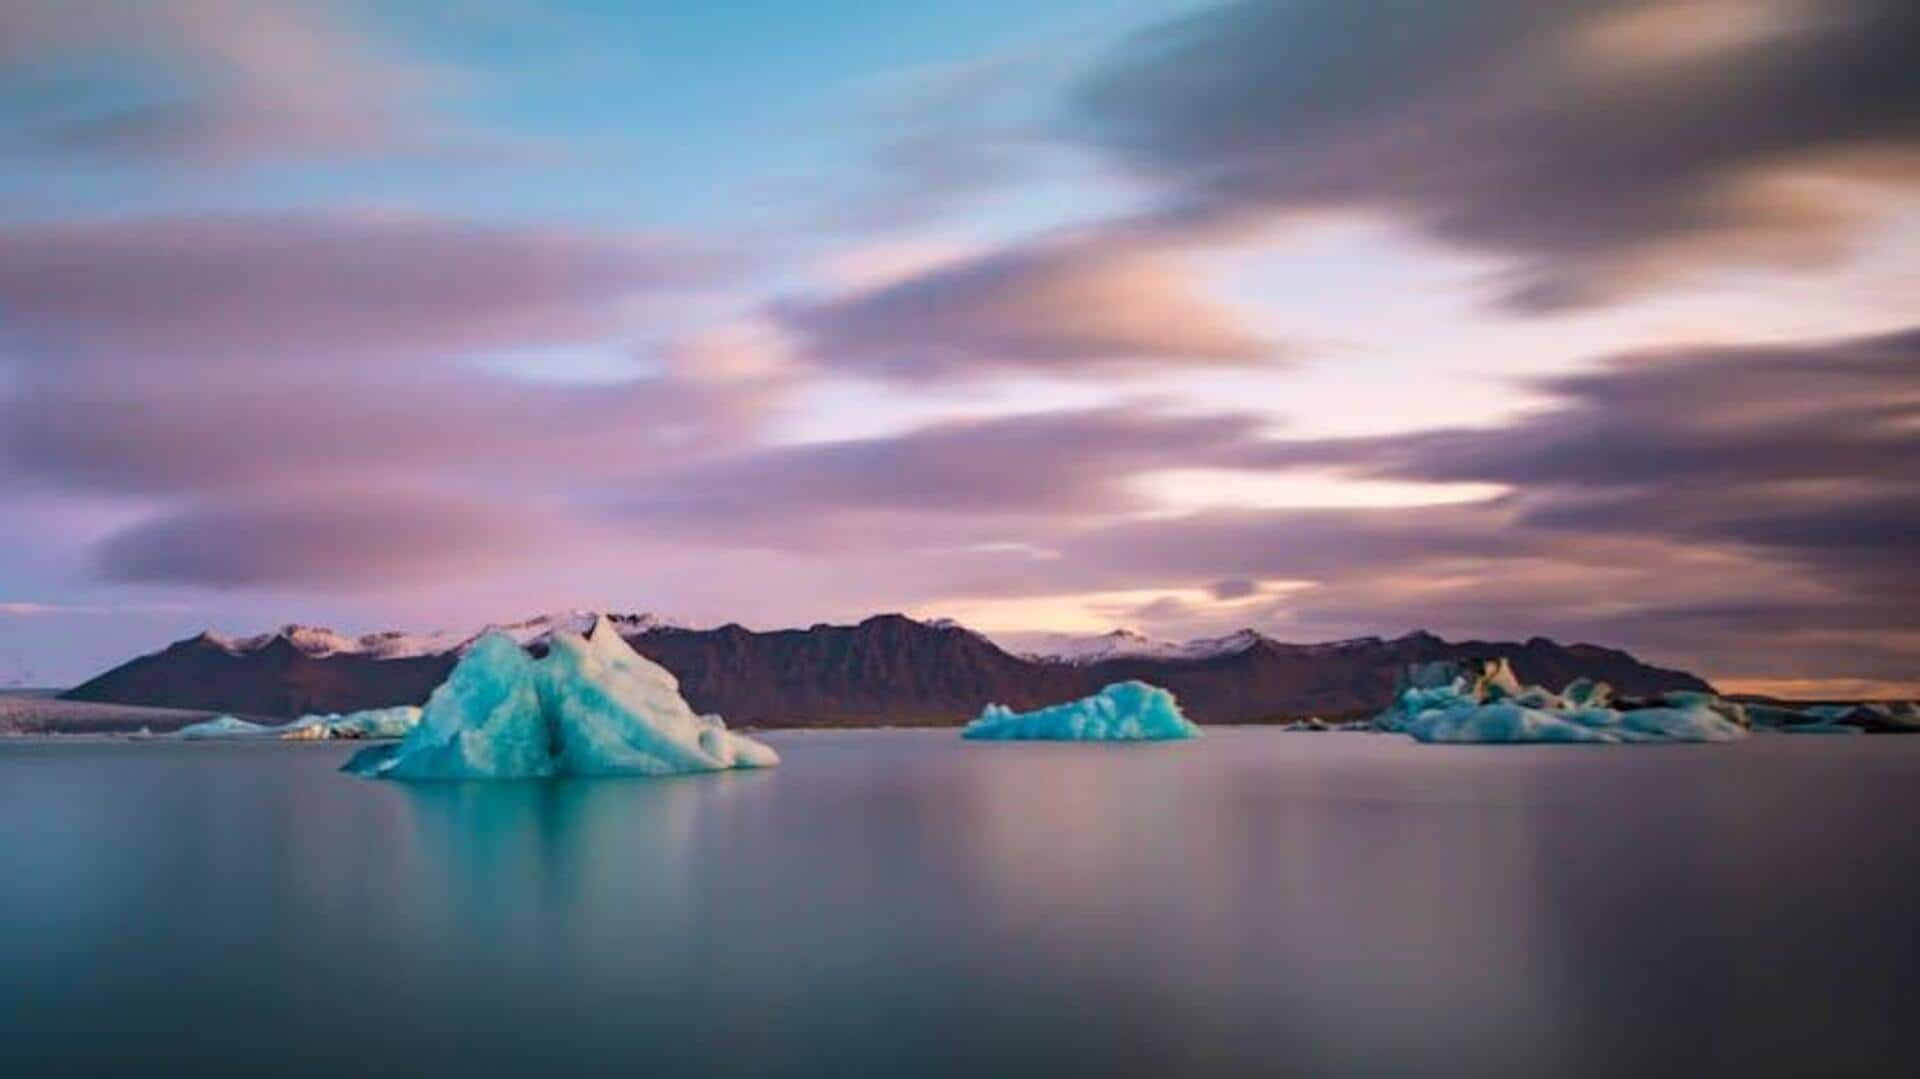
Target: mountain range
[888,669]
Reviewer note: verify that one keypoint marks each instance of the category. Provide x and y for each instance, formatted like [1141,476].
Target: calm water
[903,903]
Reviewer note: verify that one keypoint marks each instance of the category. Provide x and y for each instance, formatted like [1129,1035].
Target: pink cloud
[1061,307]
[273,289]
[243,78]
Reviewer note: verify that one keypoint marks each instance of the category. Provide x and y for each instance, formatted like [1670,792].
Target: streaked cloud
[1523,129]
[218,81]
[350,539]
[1067,307]
[954,478]
[265,291]
[1698,501]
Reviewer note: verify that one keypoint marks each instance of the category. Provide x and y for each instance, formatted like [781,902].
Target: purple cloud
[1597,144]
[1031,468]
[342,539]
[199,438]
[225,80]
[241,290]
[1745,509]
[1061,307]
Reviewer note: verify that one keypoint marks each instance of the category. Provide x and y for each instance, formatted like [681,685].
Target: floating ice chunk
[592,707]
[1867,717]
[393,722]
[1122,712]
[1700,721]
[1538,698]
[1587,693]
[1483,702]
[615,712]
[483,722]
[222,727]
[1494,679]
[1500,721]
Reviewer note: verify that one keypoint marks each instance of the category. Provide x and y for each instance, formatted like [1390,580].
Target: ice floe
[1482,701]
[372,723]
[1869,717]
[222,727]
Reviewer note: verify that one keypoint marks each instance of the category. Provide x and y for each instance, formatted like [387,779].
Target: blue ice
[1122,712]
[1483,702]
[222,727]
[592,707]
[393,722]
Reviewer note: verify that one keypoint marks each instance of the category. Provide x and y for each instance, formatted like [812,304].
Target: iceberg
[222,727]
[1482,701]
[592,707]
[372,723]
[1122,712]
[614,712]
[1820,727]
[1865,717]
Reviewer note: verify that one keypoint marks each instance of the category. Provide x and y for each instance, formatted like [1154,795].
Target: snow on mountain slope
[1082,649]
[318,641]
[887,669]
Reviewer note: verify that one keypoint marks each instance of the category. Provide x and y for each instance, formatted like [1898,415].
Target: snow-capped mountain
[888,669]
[319,641]
[1083,649]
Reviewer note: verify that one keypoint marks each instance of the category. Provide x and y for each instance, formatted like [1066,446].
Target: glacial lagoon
[895,903]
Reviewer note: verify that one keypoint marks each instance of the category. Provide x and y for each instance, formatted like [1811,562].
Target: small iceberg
[1482,701]
[1317,725]
[373,723]
[222,727]
[1122,712]
[394,722]
[592,707]
[1864,717]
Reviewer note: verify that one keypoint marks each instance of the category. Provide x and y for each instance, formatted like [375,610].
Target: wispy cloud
[28,609]
[263,290]
[1070,307]
[219,81]
[1598,147]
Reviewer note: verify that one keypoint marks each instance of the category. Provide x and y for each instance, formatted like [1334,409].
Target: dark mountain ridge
[888,669]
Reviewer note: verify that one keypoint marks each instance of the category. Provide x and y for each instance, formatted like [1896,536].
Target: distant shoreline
[41,711]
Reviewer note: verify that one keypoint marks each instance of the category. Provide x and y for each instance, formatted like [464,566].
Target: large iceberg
[1122,712]
[1482,701]
[592,707]
[614,712]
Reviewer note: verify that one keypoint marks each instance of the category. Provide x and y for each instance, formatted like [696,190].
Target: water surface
[904,903]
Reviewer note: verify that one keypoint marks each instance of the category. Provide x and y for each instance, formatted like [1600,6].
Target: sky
[1591,319]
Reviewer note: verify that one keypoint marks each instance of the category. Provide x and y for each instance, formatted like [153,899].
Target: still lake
[899,903]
